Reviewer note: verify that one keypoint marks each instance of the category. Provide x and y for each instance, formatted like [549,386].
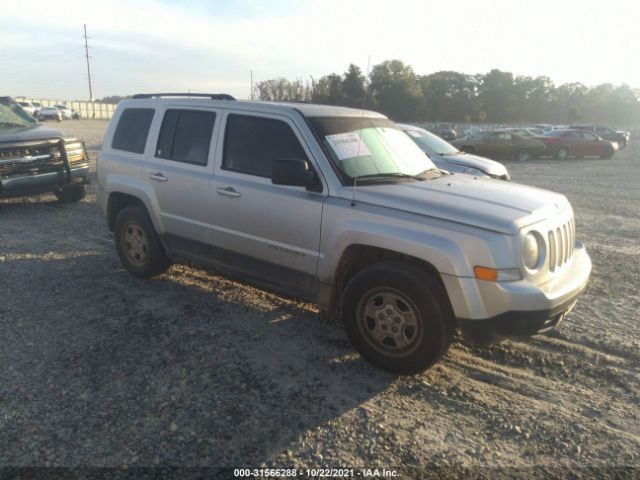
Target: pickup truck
[35,159]
[338,206]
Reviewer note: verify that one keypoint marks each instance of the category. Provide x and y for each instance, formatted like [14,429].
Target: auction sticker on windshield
[347,145]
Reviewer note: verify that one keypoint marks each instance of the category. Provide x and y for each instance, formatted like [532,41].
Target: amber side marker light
[497,275]
[485,273]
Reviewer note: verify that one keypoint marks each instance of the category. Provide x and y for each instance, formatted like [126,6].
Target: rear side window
[185,136]
[132,130]
[251,144]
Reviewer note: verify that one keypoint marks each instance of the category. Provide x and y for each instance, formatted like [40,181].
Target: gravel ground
[100,369]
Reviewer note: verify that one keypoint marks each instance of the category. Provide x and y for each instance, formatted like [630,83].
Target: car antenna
[364,103]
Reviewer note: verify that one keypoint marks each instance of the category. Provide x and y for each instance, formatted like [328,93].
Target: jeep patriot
[338,206]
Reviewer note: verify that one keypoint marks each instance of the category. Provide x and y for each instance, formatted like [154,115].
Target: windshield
[430,143]
[369,148]
[12,115]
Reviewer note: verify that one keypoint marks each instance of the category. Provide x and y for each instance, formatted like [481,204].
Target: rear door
[180,169]
[271,231]
[500,145]
[574,143]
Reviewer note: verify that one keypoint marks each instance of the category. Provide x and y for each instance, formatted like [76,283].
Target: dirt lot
[101,369]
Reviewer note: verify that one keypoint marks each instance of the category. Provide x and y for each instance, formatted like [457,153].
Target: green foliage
[394,89]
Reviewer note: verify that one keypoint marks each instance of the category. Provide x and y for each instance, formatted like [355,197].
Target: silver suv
[338,206]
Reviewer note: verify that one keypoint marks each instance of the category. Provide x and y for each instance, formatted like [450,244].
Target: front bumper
[22,185]
[518,308]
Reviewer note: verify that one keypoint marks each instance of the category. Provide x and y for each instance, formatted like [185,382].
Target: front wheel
[138,246]
[563,153]
[608,153]
[398,317]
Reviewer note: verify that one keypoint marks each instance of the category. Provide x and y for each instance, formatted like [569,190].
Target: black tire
[608,153]
[146,258]
[410,292]
[563,153]
[523,155]
[468,148]
[71,194]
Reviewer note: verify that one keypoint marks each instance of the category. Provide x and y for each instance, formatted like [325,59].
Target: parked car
[501,144]
[65,112]
[577,143]
[445,131]
[447,157]
[28,107]
[607,133]
[36,108]
[35,159]
[49,113]
[337,206]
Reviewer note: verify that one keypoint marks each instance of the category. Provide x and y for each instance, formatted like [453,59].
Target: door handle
[158,177]
[228,192]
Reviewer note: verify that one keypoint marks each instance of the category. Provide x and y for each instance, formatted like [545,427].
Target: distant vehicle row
[523,144]
[450,132]
[57,112]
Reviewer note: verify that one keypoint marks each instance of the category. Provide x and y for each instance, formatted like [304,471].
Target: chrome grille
[561,244]
[23,159]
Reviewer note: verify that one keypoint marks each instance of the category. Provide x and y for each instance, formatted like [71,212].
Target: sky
[213,45]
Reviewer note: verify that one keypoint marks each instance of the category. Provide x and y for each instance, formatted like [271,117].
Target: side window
[251,144]
[185,136]
[132,130]
[589,136]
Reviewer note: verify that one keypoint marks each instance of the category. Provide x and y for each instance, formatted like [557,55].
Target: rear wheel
[71,194]
[398,317]
[562,154]
[468,148]
[523,155]
[137,244]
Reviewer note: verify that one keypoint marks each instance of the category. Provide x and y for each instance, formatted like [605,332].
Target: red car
[577,143]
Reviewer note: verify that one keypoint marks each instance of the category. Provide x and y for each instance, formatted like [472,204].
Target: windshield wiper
[391,175]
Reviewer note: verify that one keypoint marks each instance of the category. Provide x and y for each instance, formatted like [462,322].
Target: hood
[485,203]
[467,160]
[25,134]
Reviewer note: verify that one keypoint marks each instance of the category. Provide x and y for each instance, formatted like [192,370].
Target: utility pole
[251,93]
[86,54]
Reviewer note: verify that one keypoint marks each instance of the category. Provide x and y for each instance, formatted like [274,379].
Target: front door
[268,230]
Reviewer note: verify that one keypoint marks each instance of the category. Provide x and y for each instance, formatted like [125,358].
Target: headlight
[533,251]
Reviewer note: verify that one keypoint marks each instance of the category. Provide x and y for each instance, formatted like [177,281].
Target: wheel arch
[357,257]
[118,201]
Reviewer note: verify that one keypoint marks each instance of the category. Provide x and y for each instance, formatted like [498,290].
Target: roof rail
[212,96]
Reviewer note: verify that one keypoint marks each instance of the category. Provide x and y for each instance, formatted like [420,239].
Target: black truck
[35,159]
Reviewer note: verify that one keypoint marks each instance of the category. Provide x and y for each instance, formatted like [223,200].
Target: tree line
[394,89]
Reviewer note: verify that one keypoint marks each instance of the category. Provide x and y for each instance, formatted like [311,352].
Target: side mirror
[295,173]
